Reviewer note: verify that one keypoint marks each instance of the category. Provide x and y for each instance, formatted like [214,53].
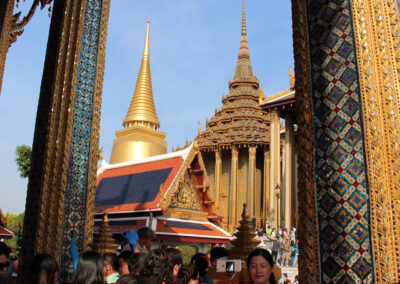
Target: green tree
[15,223]
[23,159]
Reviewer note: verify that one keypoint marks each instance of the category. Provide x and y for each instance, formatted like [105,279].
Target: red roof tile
[6,233]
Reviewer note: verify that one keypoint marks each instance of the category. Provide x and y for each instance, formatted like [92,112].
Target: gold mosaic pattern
[376,31]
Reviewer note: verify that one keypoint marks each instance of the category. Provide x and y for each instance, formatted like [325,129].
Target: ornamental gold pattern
[6,13]
[377,34]
[307,222]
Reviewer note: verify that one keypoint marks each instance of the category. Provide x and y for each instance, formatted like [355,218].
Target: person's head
[174,263]
[200,261]
[215,253]
[146,235]
[43,269]
[123,262]
[91,269]
[285,275]
[155,265]
[274,230]
[136,262]
[126,279]
[4,261]
[135,279]
[111,261]
[296,278]
[188,274]
[260,264]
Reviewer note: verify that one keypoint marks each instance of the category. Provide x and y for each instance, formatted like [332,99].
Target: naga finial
[292,78]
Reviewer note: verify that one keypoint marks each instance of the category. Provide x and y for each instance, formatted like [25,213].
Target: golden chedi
[140,137]
[104,243]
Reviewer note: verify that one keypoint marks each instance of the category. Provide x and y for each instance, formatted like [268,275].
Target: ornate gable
[189,196]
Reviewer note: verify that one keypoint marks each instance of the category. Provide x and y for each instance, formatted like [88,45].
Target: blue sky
[193,50]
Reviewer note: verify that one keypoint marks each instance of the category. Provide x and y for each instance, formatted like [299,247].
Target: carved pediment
[185,196]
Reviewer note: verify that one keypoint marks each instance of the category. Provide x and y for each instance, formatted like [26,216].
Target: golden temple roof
[240,121]
[142,105]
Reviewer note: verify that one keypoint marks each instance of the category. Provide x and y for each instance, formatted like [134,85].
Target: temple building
[145,186]
[241,149]
[281,106]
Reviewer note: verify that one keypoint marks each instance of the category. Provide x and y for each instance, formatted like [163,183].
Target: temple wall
[209,163]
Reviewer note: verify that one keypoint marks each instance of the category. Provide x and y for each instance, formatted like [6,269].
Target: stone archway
[347,92]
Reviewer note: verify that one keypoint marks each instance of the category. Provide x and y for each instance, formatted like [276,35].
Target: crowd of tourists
[136,263]
[283,245]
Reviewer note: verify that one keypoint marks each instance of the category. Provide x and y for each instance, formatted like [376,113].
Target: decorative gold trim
[5,35]
[309,266]
[377,47]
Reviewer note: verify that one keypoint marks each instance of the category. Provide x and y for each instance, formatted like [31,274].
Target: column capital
[252,150]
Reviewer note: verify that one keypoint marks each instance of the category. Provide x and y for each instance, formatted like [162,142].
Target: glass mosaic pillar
[61,189]
[347,63]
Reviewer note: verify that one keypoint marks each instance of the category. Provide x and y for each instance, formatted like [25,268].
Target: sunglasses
[4,265]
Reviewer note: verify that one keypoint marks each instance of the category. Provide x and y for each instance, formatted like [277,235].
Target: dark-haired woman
[174,263]
[91,269]
[155,266]
[43,269]
[188,274]
[200,260]
[260,266]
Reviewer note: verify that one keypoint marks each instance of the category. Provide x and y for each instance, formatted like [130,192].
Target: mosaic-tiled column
[61,189]
[275,171]
[347,99]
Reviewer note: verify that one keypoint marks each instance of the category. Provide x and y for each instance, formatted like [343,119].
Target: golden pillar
[266,189]
[232,221]
[251,194]
[289,174]
[217,175]
[275,169]
[6,14]
[62,180]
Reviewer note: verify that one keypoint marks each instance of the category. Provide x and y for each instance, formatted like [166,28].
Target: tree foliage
[13,222]
[23,159]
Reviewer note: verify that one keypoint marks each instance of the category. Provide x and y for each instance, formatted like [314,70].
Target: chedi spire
[142,110]
[243,66]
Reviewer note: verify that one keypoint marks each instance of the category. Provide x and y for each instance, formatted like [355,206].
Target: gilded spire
[243,66]
[142,110]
